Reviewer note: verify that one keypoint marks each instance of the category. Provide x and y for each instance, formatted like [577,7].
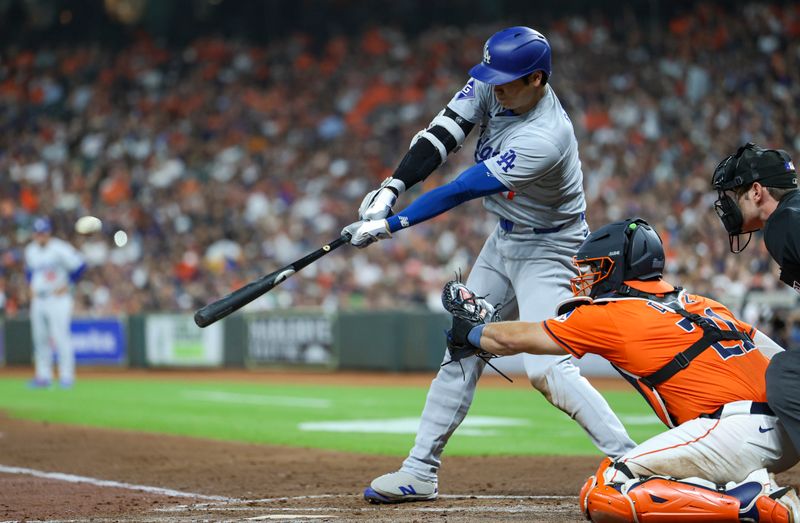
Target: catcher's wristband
[474,336]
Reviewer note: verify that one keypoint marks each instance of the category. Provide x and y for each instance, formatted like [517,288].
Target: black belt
[756,407]
[508,225]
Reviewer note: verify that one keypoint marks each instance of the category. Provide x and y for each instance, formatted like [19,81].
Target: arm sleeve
[473,183]
[585,330]
[75,275]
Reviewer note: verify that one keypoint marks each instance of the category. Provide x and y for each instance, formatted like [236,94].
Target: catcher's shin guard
[657,500]
[591,482]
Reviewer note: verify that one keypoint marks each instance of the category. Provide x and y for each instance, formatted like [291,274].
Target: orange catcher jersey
[640,336]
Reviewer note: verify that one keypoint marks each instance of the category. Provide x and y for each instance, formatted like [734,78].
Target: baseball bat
[234,301]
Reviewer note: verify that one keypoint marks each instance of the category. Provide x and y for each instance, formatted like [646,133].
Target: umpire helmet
[513,53]
[626,250]
[737,172]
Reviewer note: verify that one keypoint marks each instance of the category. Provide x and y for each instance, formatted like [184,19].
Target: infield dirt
[265,482]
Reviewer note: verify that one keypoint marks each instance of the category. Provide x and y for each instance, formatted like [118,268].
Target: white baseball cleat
[399,487]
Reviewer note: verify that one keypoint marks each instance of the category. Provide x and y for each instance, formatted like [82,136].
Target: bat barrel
[234,301]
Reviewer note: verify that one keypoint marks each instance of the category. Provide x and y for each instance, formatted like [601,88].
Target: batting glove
[377,204]
[363,233]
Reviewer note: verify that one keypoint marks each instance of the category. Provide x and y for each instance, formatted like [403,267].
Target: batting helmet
[42,225]
[513,53]
[615,253]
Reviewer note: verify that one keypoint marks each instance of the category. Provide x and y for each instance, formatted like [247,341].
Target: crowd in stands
[224,160]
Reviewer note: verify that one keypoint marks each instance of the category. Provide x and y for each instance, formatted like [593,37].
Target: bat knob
[201,318]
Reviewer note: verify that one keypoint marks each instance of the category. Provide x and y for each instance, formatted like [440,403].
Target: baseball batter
[695,364]
[528,171]
[51,267]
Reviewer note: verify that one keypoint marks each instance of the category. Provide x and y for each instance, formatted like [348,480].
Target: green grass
[272,414]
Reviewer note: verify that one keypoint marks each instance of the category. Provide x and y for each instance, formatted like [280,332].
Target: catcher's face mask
[591,272]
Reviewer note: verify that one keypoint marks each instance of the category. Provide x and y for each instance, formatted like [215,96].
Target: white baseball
[88,225]
[120,238]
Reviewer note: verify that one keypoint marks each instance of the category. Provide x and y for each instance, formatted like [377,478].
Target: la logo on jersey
[506,161]
[487,58]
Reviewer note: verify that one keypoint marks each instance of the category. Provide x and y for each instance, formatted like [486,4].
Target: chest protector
[648,385]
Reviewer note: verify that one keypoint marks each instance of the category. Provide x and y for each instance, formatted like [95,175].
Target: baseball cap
[751,163]
[42,225]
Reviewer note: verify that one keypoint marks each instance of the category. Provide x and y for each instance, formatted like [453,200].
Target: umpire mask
[751,163]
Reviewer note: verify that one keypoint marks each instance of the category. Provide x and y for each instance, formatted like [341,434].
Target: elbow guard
[430,147]
[446,132]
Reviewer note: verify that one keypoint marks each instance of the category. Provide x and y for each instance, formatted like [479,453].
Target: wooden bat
[234,301]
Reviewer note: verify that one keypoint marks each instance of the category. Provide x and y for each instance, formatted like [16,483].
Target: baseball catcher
[699,367]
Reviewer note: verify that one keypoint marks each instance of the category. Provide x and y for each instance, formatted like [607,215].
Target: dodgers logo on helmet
[511,54]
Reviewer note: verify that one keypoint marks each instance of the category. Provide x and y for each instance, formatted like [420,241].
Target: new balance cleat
[399,487]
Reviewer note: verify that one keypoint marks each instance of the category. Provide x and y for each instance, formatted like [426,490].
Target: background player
[527,167]
[666,342]
[51,267]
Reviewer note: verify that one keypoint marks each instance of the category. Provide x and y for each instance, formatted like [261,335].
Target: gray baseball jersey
[535,155]
[50,265]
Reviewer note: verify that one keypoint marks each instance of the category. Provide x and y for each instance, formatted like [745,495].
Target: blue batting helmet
[42,225]
[513,53]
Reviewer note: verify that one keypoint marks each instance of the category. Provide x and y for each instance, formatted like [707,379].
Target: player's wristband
[474,336]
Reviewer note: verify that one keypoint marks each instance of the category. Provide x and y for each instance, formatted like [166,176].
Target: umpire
[757,189]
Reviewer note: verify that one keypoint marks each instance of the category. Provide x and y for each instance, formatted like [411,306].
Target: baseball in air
[88,225]
[120,238]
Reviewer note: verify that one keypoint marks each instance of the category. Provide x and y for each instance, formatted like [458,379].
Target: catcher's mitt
[468,311]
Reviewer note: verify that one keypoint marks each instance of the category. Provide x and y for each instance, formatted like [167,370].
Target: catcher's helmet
[513,53]
[615,253]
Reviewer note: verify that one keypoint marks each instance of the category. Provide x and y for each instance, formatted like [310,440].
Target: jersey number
[739,347]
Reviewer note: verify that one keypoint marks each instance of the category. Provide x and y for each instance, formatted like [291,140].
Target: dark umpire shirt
[782,238]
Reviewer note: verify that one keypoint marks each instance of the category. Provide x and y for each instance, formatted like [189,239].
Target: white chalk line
[71,478]
[223,505]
